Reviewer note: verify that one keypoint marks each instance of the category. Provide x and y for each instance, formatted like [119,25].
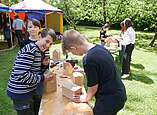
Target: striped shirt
[26,72]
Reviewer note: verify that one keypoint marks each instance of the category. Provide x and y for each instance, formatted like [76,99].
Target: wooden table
[55,104]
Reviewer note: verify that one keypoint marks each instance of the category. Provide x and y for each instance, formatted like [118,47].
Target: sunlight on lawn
[141,88]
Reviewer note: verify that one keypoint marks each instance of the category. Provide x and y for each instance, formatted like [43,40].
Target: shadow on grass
[130,108]
[141,77]
[3,45]
[89,27]
[135,75]
[138,66]
[143,41]
[148,49]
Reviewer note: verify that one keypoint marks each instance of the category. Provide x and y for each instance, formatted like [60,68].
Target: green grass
[6,60]
[141,88]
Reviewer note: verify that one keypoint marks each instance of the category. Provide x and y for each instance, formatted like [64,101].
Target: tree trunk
[153,40]
[117,11]
[104,10]
[67,16]
[6,2]
[16,1]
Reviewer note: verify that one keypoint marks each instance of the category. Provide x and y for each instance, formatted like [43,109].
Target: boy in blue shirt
[102,79]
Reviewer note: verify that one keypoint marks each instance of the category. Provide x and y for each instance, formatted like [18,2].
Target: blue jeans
[28,106]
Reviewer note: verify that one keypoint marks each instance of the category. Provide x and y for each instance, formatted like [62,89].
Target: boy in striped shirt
[26,74]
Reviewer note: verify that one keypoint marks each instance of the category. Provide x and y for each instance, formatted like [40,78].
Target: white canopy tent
[39,6]
[34,5]
[3,8]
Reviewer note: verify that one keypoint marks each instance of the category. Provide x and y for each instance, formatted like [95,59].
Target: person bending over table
[102,79]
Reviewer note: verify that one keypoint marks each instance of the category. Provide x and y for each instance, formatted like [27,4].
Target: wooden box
[50,86]
[68,69]
[56,55]
[69,90]
[77,78]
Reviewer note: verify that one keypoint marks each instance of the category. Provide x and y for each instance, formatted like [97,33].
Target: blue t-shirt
[100,69]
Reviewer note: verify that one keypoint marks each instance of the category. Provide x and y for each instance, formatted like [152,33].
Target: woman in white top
[128,40]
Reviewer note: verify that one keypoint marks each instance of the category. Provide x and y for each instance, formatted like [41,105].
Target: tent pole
[2,27]
[11,36]
[10,32]
[45,21]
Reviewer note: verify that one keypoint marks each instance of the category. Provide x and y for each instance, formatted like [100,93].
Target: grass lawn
[6,60]
[141,88]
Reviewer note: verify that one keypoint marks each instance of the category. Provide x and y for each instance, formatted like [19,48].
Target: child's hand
[78,69]
[79,99]
[48,76]
[46,61]
[76,99]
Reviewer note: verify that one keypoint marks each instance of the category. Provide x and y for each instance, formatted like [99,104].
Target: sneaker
[124,76]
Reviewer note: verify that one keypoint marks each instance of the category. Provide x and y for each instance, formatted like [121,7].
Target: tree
[117,9]
[154,24]
[104,10]
[151,18]
[68,14]
[97,12]
[153,40]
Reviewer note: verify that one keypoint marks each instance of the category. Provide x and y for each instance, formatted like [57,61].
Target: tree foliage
[96,12]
